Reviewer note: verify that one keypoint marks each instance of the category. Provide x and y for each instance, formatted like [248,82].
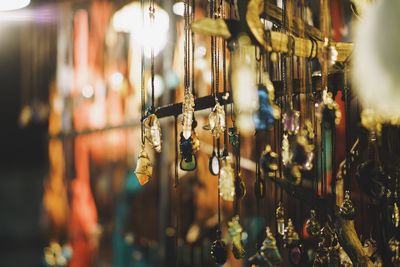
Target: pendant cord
[142,84]
[176,153]
[152,18]
[193,48]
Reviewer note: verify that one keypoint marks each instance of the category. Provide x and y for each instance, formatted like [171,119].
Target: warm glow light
[87,91]
[6,5]
[179,8]
[148,34]
[116,81]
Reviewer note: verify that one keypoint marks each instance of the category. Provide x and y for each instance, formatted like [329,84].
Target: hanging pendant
[240,188]
[303,154]
[328,248]
[286,153]
[153,131]
[290,236]
[235,231]
[269,250]
[394,246]
[267,111]
[269,162]
[347,210]
[213,164]
[218,250]
[227,180]
[370,247]
[328,110]
[280,219]
[57,255]
[216,120]
[291,121]
[188,160]
[234,138]
[312,225]
[395,215]
[188,113]
[328,53]
[144,167]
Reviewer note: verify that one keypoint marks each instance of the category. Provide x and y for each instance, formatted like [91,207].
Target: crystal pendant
[217,120]
[280,218]
[347,210]
[329,53]
[153,131]
[286,154]
[394,246]
[188,113]
[290,236]
[267,112]
[235,231]
[312,225]
[303,154]
[269,250]
[227,180]
[328,109]
[144,167]
[213,164]
[218,250]
[291,121]
[395,215]
[269,162]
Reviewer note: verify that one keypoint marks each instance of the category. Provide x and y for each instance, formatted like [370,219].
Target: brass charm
[235,231]
[269,250]
[290,236]
[280,218]
[312,225]
[347,210]
[144,167]
[153,131]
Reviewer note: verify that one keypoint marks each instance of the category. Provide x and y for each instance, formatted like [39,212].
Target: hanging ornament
[216,120]
[303,153]
[328,248]
[227,180]
[213,164]
[286,153]
[328,53]
[269,250]
[144,167]
[269,162]
[396,215]
[218,250]
[280,218]
[268,112]
[394,246]
[347,210]
[234,138]
[291,121]
[290,236]
[370,247]
[153,131]
[188,113]
[312,225]
[235,231]
[188,160]
[328,110]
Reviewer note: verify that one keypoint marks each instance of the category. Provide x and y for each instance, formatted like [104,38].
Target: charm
[394,246]
[290,236]
[213,164]
[218,250]
[347,210]
[269,162]
[227,180]
[328,109]
[280,218]
[267,112]
[216,120]
[269,250]
[328,248]
[235,231]
[240,187]
[329,53]
[395,215]
[370,247]
[188,160]
[153,131]
[144,167]
[312,225]
[188,114]
[291,121]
